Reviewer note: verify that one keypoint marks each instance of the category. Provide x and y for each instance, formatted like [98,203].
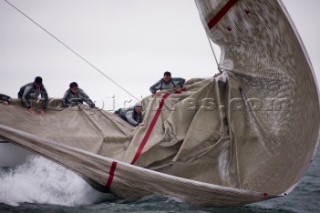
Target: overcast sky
[131,41]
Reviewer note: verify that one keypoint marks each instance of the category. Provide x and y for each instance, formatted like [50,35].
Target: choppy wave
[42,181]
[50,187]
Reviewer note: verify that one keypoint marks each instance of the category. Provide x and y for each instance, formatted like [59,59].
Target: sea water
[40,185]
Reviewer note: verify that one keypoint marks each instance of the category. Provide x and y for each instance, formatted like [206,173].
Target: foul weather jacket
[130,115]
[161,84]
[72,99]
[30,91]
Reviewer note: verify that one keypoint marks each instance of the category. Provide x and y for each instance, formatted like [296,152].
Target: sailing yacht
[229,140]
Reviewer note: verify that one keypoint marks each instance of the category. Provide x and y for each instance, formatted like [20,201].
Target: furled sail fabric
[242,137]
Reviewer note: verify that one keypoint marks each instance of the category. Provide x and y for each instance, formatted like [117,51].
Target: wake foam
[42,181]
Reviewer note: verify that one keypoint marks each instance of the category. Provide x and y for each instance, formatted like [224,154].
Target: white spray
[42,181]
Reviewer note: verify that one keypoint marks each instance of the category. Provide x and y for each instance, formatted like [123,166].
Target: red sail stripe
[147,135]
[142,144]
[221,13]
[111,174]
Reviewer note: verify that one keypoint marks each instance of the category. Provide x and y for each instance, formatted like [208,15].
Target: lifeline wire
[69,48]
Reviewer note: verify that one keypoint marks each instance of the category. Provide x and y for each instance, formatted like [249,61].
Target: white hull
[11,154]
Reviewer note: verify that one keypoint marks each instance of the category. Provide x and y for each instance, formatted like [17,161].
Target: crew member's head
[74,87]
[167,76]
[38,82]
[138,107]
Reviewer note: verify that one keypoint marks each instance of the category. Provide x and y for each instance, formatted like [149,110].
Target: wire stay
[69,48]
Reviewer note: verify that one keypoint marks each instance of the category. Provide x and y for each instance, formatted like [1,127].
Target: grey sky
[132,41]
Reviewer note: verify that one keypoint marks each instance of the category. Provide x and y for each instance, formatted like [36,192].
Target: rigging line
[69,48]
[214,54]
[210,43]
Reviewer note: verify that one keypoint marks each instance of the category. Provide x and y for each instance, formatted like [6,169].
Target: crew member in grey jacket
[33,91]
[133,115]
[168,83]
[75,95]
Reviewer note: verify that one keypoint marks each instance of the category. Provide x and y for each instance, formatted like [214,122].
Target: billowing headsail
[272,91]
[224,141]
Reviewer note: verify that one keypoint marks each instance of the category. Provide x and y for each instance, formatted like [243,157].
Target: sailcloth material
[242,137]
